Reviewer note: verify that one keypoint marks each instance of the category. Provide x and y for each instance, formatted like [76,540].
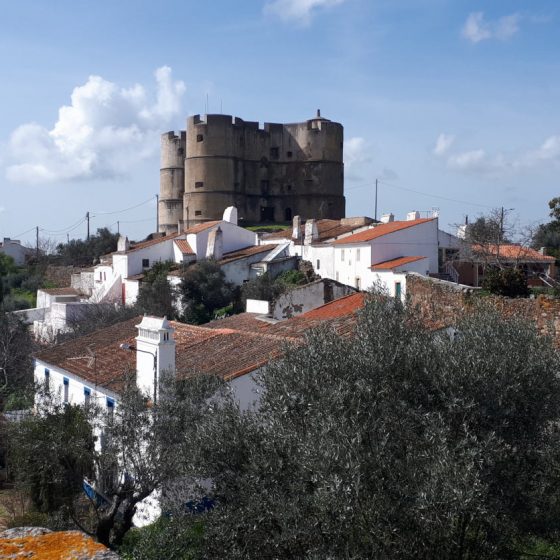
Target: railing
[451,271]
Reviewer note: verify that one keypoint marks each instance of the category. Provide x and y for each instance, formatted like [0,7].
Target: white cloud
[355,151]
[443,144]
[103,133]
[300,11]
[480,162]
[477,29]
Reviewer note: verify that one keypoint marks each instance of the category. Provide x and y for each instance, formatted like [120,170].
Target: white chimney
[155,354]
[215,247]
[414,215]
[311,232]
[123,244]
[230,215]
[296,227]
[387,218]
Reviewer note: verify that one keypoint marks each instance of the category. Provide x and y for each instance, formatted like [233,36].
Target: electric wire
[94,214]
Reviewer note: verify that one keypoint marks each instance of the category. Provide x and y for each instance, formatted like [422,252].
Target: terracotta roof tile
[327,229]
[201,227]
[395,263]
[229,347]
[246,252]
[513,252]
[151,242]
[380,230]
[184,247]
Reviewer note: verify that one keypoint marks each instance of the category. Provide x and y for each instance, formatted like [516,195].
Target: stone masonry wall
[443,303]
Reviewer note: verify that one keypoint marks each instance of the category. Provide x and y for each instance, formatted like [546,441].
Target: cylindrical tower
[172,181]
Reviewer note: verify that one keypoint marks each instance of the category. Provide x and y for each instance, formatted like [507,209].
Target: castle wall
[270,174]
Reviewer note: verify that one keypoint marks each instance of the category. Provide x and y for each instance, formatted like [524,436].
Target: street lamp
[126,346]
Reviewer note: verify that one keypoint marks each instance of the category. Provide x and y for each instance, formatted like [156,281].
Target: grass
[271,228]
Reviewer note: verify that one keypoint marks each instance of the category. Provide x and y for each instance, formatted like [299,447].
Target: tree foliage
[548,235]
[203,290]
[398,444]
[16,363]
[81,252]
[508,282]
[157,296]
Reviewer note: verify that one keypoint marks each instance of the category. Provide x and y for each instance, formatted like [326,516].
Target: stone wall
[443,303]
[61,276]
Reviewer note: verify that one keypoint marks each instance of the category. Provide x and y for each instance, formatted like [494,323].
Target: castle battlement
[269,173]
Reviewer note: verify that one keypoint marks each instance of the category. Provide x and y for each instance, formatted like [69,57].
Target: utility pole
[118,227]
[375,216]
[87,218]
[67,238]
[157,213]
[37,242]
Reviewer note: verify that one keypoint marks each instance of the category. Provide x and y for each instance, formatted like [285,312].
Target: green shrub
[508,282]
[29,519]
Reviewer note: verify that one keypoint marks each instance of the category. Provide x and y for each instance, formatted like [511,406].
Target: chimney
[215,247]
[311,232]
[387,218]
[123,244]
[414,215]
[230,215]
[155,354]
[542,251]
[318,113]
[296,227]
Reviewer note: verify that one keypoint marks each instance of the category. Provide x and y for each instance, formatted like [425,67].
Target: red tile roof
[395,263]
[380,230]
[230,347]
[513,252]
[201,227]
[246,252]
[326,229]
[184,247]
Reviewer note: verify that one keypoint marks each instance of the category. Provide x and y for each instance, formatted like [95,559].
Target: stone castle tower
[269,174]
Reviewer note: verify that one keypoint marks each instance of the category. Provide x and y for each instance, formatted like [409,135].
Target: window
[66,383]
[398,290]
[289,187]
[358,283]
[110,405]
[342,255]
[87,394]
[289,154]
[198,185]
[267,214]
[274,153]
[198,212]
[288,214]
[357,255]
[264,185]
[199,137]
[145,263]
[318,264]
[47,379]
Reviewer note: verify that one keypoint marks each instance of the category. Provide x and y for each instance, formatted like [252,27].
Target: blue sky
[450,103]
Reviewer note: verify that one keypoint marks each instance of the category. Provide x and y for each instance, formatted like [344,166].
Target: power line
[449,199]
[95,214]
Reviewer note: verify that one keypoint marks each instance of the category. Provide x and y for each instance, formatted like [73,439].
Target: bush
[29,519]
[508,282]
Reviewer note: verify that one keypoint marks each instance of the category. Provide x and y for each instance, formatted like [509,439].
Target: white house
[235,248]
[371,254]
[13,248]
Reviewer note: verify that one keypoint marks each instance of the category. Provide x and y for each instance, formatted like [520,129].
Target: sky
[450,104]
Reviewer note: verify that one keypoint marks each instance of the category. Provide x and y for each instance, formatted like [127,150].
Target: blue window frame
[65,380]
[110,403]
[66,383]
[87,391]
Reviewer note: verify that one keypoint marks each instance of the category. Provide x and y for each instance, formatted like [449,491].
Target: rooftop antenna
[206,102]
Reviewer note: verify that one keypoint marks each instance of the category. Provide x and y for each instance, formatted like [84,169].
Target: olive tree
[397,443]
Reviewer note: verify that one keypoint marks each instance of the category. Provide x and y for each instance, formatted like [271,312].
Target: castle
[269,174]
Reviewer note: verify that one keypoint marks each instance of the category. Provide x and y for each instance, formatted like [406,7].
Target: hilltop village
[253,256]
